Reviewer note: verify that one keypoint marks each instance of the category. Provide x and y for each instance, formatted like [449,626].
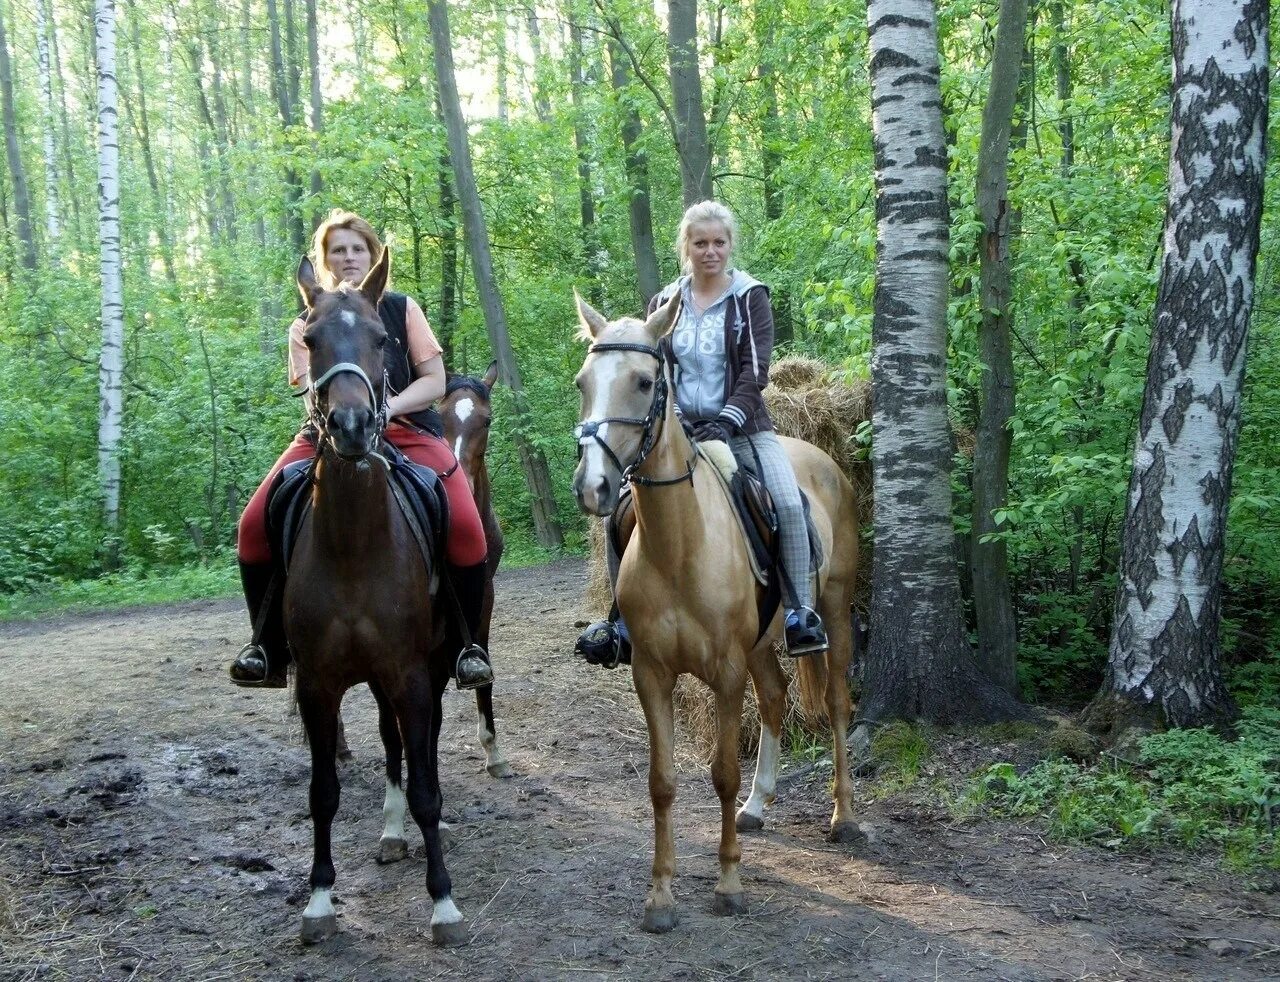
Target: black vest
[393,309]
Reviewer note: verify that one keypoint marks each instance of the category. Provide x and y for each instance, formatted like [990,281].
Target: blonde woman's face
[347,255]
[709,246]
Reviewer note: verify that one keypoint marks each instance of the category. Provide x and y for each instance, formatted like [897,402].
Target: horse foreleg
[726,775]
[771,697]
[495,762]
[392,846]
[320,718]
[835,614]
[654,686]
[419,712]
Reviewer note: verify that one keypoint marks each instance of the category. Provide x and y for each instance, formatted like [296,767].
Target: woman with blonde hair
[722,344]
[345,248]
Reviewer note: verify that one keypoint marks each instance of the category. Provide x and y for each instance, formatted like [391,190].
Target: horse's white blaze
[349,318]
[463,408]
[445,912]
[489,740]
[394,806]
[766,780]
[457,448]
[595,464]
[321,904]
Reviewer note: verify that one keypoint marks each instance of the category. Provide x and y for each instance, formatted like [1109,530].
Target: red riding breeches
[467,544]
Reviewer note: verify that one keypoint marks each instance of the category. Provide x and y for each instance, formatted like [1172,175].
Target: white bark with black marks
[111,357]
[1165,647]
[919,665]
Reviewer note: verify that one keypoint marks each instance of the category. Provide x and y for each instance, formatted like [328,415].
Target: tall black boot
[263,664]
[472,669]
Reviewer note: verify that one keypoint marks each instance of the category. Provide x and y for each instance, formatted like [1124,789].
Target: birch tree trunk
[281,89]
[636,163]
[919,665]
[17,172]
[545,518]
[686,96]
[52,229]
[1164,661]
[111,357]
[992,599]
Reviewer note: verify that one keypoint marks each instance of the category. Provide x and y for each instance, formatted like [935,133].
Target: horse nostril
[603,488]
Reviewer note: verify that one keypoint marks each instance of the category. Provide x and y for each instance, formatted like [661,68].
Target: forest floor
[153,824]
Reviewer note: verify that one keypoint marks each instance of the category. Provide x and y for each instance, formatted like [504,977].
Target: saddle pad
[288,503]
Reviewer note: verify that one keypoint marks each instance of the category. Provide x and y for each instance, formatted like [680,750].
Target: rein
[589,429]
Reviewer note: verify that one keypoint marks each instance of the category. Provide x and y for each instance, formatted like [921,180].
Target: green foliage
[1190,788]
[899,751]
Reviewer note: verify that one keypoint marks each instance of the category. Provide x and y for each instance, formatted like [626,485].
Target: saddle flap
[421,496]
[288,502]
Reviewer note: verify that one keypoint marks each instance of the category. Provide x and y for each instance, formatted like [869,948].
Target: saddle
[418,491]
[758,521]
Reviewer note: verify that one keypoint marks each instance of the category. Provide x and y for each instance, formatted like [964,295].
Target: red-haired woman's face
[347,255]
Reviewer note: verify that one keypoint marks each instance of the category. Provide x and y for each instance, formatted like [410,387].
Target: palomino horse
[467,411]
[358,604]
[687,594]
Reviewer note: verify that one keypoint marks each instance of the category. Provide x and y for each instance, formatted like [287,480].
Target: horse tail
[811,676]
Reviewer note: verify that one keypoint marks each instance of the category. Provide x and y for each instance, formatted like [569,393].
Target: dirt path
[153,824]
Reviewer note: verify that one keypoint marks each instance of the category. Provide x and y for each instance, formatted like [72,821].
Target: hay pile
[807,404]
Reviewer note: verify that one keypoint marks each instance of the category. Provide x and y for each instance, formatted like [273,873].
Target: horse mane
[468,382]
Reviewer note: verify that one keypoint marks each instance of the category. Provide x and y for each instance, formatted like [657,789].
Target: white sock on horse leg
[766,779]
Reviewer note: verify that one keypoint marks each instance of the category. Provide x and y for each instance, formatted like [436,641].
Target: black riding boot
[472,668]
[263,664]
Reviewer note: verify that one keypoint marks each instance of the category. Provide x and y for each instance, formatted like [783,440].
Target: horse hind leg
[726,775]
[835,614]
[392,846]
[495,762]
[320,717]
[771,697]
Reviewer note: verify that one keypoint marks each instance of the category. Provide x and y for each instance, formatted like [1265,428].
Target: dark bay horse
[360,604]
[687,594]
[467,410]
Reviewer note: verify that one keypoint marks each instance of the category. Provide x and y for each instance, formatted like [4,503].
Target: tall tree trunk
[545,518]
[504,71]
[111,357]
[448,208]
[52,229]
[541,102]
[317,105]
[17,172]
[992,599]
[222,129]
[208,166]
[770,165]
[1164,659]
[280,89]
[583,143]
[686,96]
[64,127]
[636,162]
[919,665]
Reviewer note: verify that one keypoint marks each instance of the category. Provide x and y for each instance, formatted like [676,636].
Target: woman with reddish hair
[345,247]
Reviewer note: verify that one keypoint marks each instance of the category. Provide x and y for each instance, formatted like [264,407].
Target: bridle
[589,429]
[317,416]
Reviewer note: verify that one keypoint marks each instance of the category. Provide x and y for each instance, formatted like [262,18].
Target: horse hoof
[746,822]
[728,904]
[317,929]
[500,769]
[450,935]
[659,920]
[847,833]
[392,850]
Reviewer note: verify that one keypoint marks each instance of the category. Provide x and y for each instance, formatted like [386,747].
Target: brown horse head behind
[467,411]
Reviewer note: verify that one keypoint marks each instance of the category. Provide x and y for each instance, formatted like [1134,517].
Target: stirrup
[473,678]
[804,632]
[267,680]
[604,643]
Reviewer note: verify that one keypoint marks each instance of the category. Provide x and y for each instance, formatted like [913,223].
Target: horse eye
[382,343]
[646,384]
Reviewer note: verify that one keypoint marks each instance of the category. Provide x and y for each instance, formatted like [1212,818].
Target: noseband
[316,388]
[589,429]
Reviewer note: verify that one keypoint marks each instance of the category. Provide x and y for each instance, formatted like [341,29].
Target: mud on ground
[153,824]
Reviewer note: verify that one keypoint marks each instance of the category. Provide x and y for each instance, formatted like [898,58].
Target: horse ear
[592,320]
[307,285]
[662,320]
[375,281]
[491,376]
